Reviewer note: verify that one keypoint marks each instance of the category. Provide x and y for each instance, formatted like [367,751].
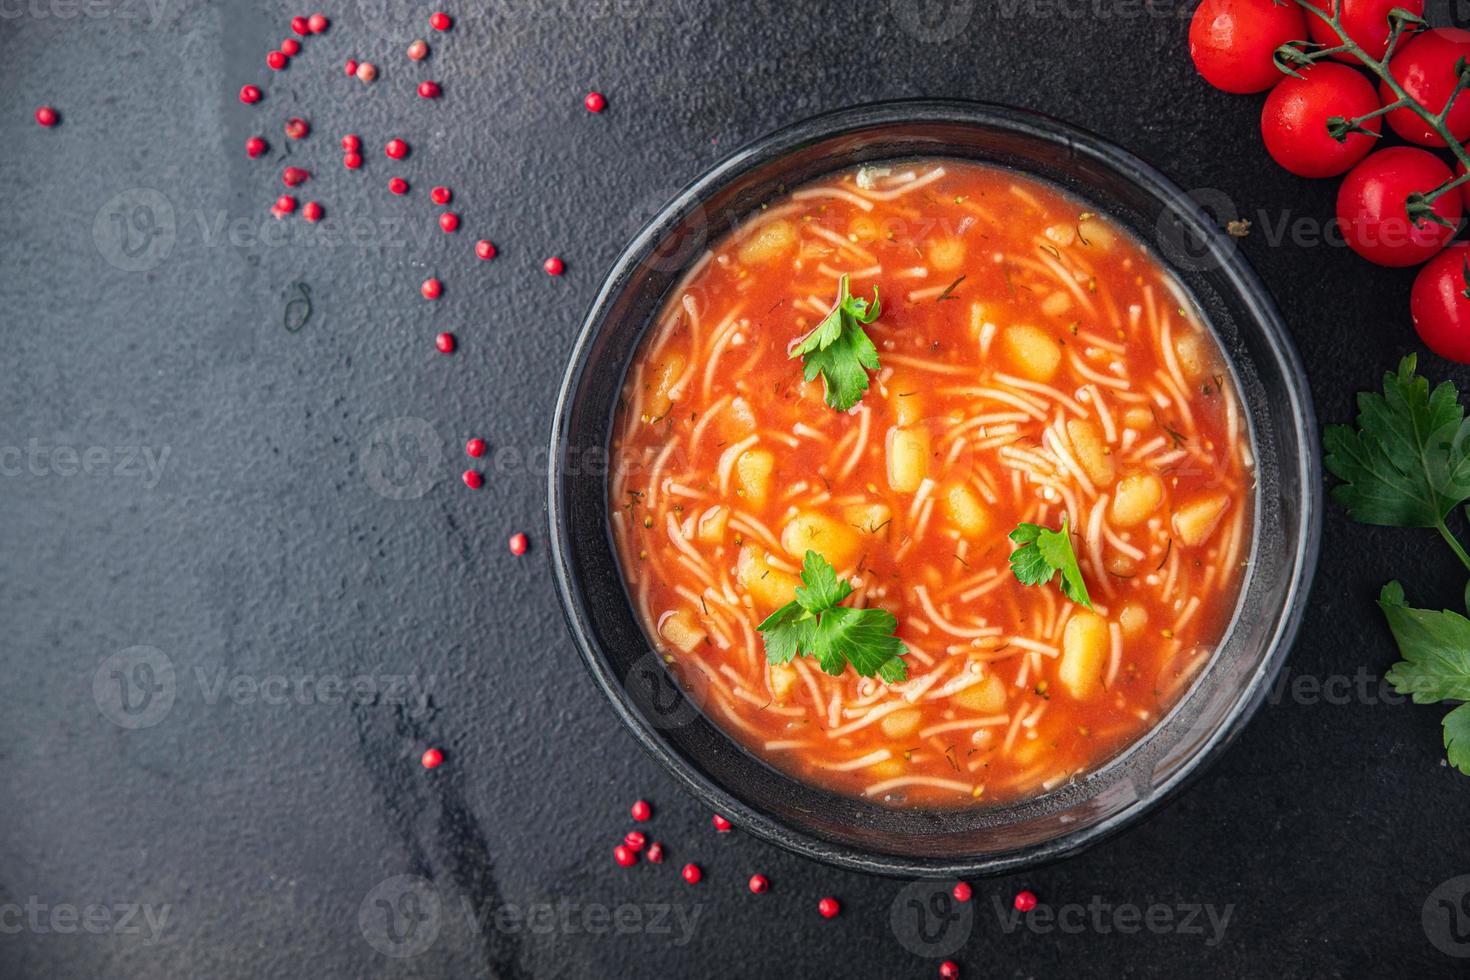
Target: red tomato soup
[1037,365]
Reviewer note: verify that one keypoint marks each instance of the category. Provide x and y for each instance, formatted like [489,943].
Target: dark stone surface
[267,546]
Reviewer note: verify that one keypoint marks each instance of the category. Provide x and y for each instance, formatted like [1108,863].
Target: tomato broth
[1037,365]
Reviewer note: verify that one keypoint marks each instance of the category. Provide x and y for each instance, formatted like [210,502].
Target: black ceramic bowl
[868,835]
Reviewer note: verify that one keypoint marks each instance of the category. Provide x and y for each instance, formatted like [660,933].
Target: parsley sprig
[815,625]
[1043,554]
[840,350]
[1407,464]
[1436,665]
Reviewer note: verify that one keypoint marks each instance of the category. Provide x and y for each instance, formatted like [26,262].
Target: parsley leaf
[813,624]
[840,350]
[1043,553]
[1408,463]
[1436,665]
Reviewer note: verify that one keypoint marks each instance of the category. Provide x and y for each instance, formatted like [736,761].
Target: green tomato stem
[1379,67]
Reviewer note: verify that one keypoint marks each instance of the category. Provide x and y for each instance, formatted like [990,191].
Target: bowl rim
[1264,317]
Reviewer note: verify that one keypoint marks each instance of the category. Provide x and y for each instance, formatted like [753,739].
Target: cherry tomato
[1294,120]
[1366,22]
[1372,213]
[1425,67]
[1440,307]
[1232,41]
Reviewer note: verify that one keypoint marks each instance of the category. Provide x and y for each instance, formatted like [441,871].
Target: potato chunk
[907,401]
[1133,619]
[833,540]
[783,680]
[1136,499]
[1092,451]
[681,630]
[736,420]
[665,375]
[753,470]
[1195,521]
[1093,232]
[773,240]
[908,458]
[769,588]
[712,525]
[869,519]
[947,254]
[986,698]
[1033,353]
[901,723]
[1085,643]
[965,511]
[1189,348]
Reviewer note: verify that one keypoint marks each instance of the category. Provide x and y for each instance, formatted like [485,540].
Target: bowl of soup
[934,488]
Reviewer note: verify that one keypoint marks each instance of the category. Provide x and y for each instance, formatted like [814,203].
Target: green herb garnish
[1436,665]
[840,350]
[1408,463]
[1044,553]
[815,625]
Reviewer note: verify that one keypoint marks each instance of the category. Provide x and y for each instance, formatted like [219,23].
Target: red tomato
[1231,41]
[1371,206]
[1366,22]
[1294,120]
[1425,67]
[1439,305]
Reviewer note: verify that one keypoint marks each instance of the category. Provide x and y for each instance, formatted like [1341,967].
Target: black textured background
[268,545]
